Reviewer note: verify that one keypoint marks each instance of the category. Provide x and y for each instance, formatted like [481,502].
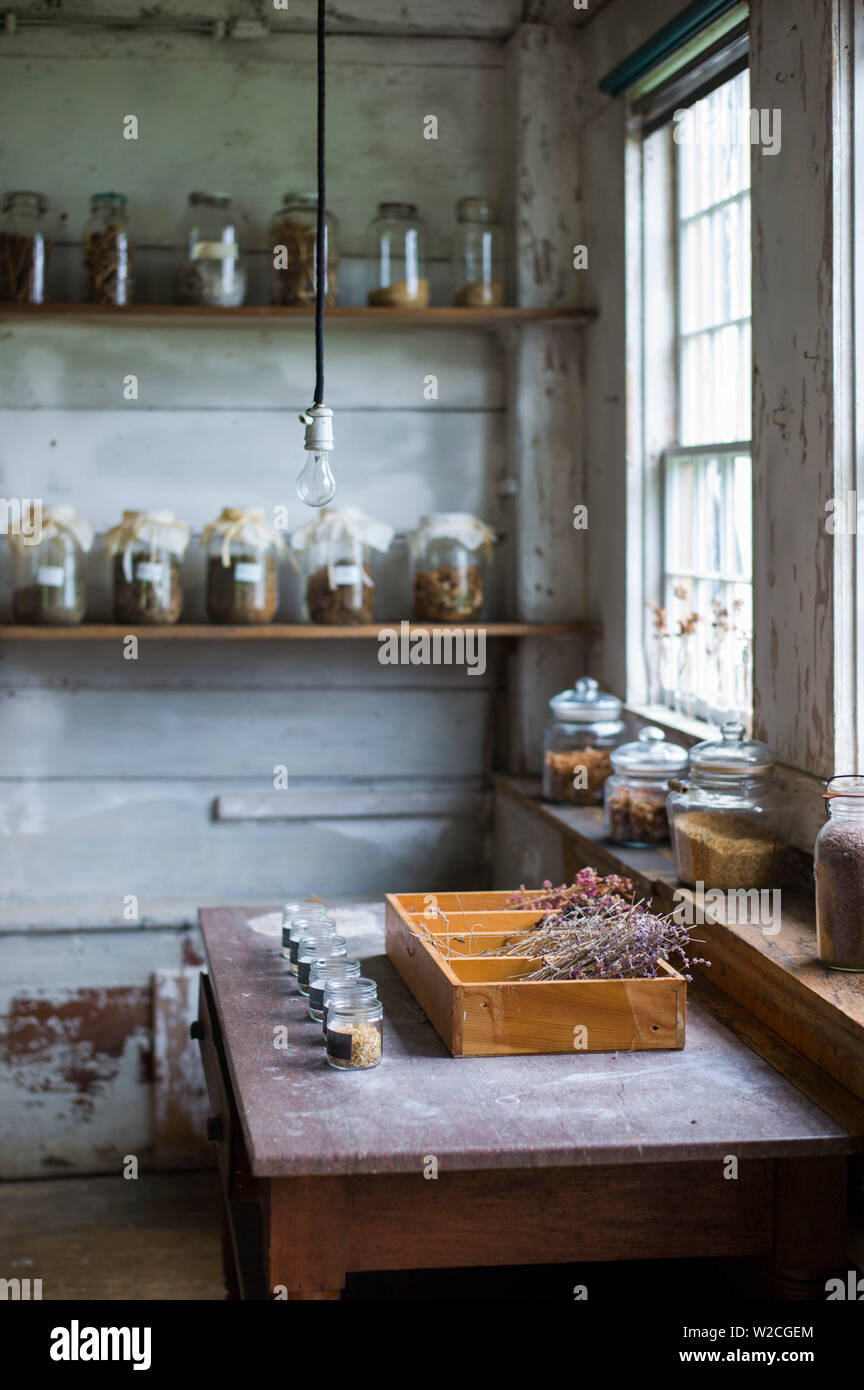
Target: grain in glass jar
[450,561]
[147,549]
[108,251]
[304,925]
[336,552]
[243,552]
[477,255]
[361,990]
[398,258]
[49,584]
[23,248]
[213,273]
[314,947]
[292,911]
[293,236]
[324,970]
[728,822]
[634,796]
[838,864]
[354,1035]
[585,726]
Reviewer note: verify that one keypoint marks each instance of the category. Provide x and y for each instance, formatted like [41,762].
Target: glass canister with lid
[838,863]
[243,552]
[477,255]
[23,247]
[213,273]
[450,561]
[336,555]
[293,237]
[727,821]
[147,549]
[585,726]
[634,796]
[48,571]
[108,251]
[398,258]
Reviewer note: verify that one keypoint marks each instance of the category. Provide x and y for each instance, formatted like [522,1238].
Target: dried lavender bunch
[587,888]
[604,940]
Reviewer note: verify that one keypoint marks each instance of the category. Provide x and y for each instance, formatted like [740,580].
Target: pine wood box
[480,1010]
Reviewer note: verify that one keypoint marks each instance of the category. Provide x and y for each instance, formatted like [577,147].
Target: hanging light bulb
[316,485]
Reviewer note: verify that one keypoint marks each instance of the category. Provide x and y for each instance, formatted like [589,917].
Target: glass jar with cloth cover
[335,550]
[243,552]
[48,580]
[147,549]
[450,560]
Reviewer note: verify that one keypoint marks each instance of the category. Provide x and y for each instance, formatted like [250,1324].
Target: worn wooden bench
[538,1159]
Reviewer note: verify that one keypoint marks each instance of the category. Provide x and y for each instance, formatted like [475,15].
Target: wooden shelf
[219,632]
[265,316]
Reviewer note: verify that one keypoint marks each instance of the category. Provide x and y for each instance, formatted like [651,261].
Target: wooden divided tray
[481,1009]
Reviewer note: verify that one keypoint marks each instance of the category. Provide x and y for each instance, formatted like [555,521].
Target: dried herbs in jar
[23,248]
[839,870]
[635,794]
[450,554]
[293,234]
[48,574]
[108,251]
[147,549]
[336,553]
[242,566]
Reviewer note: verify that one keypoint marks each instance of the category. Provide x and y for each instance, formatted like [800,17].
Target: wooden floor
[158,1238]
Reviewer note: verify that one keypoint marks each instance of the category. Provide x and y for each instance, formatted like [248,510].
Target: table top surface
[300,1116]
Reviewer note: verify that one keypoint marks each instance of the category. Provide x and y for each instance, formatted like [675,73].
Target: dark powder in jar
[840,896]
[155,594]
[244,591]
[348,604]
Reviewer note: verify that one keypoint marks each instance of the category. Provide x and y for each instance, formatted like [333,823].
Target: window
[699,630]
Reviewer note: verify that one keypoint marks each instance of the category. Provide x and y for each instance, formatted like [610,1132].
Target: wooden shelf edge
[177,314]
[817,1012]
[277,632]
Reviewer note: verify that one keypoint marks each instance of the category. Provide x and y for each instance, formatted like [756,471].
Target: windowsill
[777,978]
[672,722]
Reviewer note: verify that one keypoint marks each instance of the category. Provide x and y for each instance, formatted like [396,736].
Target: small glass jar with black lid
[324,970]
[355,1034]
[303,926]
[360,990]
[317,946]
[300,911]
[585,726]
[728,821]
[634,797]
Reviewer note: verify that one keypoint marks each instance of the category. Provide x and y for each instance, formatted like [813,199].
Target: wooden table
[538,1159]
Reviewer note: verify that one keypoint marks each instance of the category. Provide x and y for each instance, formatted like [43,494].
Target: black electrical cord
[321,236]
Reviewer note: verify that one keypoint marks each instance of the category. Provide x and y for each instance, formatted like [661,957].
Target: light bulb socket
[318,420]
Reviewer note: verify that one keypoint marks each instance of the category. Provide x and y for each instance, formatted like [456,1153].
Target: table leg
[230,1277]
[304,1238]
[809,1226]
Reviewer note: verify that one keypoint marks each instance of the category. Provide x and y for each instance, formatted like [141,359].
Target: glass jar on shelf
[316,946]
[296,909]
[336,556]
[323,971]
[634,796]
[358,990]
[477,256]
[306,925]
[355,1033]
[146,550]
[838,864]
[49,584]
[108,251]
[585,726]
[293,235]
[398,258]
[450,561]
[213,273]
[243,552]
[23,248]
[727,822]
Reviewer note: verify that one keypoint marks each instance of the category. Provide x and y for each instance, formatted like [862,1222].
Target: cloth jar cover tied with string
[146,549]
[49,585]
[243,552]
[335,551]
[450,555]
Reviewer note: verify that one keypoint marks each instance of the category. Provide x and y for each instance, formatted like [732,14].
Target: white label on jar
[149,570]
[52,576]
[248,572]
[214,251]
[346,574]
